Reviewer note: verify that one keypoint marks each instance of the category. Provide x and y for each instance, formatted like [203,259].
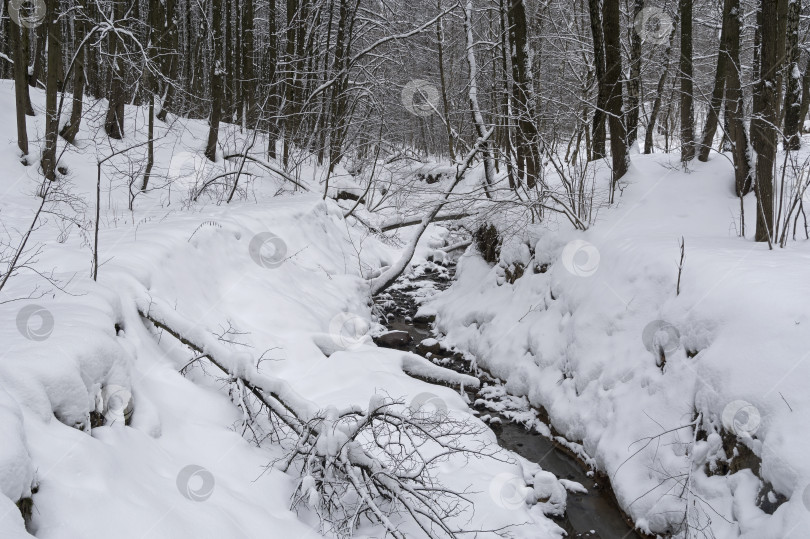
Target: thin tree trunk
[478,118]
[443,82]
[635,82]
[71,128]
[216,79]
[687,98]
[613,73]
[51,88]
[793,91]
[805,108]
[717,93]
[598,36]
[734,98]
[114,122]
[523,99]
[764,121]
[20,83]
[659,93]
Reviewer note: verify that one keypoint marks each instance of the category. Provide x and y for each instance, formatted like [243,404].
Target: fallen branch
[376,463]
[268,166]
[393,225]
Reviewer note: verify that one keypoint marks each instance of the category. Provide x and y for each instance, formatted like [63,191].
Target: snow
[581,341]
[273,287]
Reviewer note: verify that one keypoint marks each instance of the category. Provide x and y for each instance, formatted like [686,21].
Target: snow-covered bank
[279,284]
[572,334]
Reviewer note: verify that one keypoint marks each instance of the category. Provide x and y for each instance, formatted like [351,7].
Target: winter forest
[464,269]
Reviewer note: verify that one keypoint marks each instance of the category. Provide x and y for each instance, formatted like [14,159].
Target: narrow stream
[592,515]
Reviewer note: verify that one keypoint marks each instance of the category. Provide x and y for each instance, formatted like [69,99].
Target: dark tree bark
[523,99]
[805,108]
[598,36]
[20,82]
[734,98]
[51,88]
[170,64]
[114,122]
[272,76]
[635,82]
[793,90]
[216,80]
[687,95]
[766,111]
[41,36]
[71,128]
[613,73]
[717,93]
[248,73]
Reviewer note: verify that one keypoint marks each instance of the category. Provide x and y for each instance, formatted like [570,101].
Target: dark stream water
[594,514]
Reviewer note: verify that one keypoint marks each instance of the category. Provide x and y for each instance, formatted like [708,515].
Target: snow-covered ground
[576,335]
[278,283]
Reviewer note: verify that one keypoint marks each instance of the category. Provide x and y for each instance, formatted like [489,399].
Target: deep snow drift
[580,332]
[279,283]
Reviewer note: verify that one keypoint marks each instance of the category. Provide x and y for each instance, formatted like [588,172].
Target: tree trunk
[71,128]
[41,35]
[20,82]
[734,99]
[805,108]
[478,118]
[717,93]
[170,49]
[597,33]
[51,88]
[635,82]
[114,122]
[613,74]
[216,79]
[659,94]
[523,99]
[793,91]
[687,100]
[766,103]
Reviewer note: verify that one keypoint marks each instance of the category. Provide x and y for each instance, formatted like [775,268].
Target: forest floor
[278,274]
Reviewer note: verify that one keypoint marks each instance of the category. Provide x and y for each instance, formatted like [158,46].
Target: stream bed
[594,514]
